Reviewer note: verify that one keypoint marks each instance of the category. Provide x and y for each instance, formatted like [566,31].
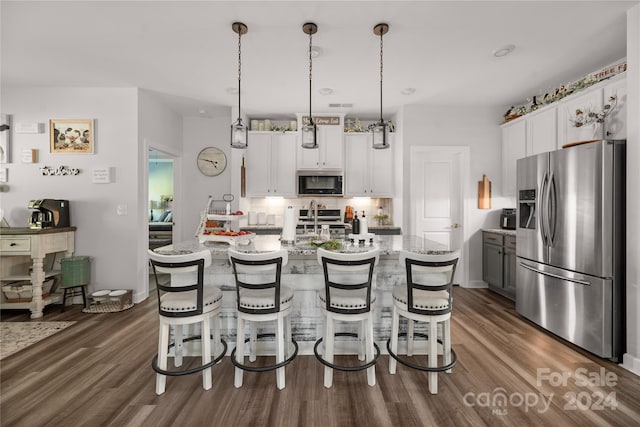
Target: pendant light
[309,136]
[239,130]
[381,128]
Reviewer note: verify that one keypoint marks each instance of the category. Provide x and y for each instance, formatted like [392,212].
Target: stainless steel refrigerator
[570,244]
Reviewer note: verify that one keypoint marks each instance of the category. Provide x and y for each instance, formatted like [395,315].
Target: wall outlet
[121,209]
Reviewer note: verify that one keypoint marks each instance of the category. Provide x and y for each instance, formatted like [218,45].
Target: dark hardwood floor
[97,373]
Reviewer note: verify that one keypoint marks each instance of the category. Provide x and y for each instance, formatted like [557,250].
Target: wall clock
[212,161]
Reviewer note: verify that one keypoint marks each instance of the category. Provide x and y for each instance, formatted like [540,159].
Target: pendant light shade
[239,130]
[309,130]
[381,129]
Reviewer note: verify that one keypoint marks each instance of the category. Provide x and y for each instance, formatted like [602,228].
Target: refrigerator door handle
[542,209]
[556,276]
[552,209]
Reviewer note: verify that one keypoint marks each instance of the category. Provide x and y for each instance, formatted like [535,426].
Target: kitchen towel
[289,225]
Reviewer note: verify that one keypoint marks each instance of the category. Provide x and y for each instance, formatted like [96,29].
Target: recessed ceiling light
[325,91]
[315,51]
[503,51]
[232,90]
[202,112]
[408,91]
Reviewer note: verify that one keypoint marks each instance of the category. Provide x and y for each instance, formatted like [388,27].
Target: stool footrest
[454,357]
[154,362]
[346,368]
[264,368]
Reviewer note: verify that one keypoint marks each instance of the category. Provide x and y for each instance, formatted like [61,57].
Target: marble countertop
[388,245]
[500,231]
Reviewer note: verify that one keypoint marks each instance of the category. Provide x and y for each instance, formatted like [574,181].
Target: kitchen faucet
[314,212]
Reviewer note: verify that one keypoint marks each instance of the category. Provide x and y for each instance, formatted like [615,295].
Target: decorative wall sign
[101,175]
[71,136]
[28,127]
[29,155]
[322,120]
[60,170]
[5,138]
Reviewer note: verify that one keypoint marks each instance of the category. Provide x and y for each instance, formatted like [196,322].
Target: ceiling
[186,51]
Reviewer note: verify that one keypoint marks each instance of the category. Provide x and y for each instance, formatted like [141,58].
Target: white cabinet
[368,172]
[615,125]
[542,132]
[329,154]
[271,164]
[590,100]
[514,147]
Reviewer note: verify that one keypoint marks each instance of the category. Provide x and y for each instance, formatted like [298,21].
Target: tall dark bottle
[355,224]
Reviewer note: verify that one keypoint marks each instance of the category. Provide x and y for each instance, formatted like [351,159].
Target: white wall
[102,234]
[199,133]
[631,359]
[478,129]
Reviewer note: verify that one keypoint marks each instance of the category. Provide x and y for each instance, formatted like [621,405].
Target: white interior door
[437,197]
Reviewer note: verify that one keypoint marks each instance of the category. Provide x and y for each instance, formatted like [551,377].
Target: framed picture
[71,136]
[5,138]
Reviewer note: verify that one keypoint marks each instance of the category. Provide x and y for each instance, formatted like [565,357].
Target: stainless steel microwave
[319,184]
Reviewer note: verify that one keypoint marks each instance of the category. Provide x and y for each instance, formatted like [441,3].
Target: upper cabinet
[329,154]
[542,132]
[552,127]
[270,167]
[593,100]
[368,172]
[615,125]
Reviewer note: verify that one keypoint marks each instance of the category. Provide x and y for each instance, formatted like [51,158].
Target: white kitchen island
[304,275]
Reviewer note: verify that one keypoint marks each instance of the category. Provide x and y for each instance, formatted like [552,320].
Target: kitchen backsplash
[276,206]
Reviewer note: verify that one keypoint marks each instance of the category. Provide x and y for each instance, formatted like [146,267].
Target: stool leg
[410,324]
[280,379]
[217,342]
[328,351]
[362,341]
[64,299]
[205,336]
[433,356]
[371,372]
[239,351]
[394,340]
[446,343]
[178,332]
[287,337]
[84,296]
[163,343]
[253,342]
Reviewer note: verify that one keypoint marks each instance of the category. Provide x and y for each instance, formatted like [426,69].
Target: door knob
[455,225]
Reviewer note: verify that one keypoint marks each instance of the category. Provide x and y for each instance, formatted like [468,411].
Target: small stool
[122,296]
[74,293]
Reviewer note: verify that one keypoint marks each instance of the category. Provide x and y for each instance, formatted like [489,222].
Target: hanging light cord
[381,33]
[239,69]
[310,69]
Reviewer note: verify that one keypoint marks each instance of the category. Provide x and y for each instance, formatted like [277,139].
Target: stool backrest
[348,272]
[429,272]
[258,272]
[190,267]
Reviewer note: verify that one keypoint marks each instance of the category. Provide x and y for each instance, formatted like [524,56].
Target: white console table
[17,245]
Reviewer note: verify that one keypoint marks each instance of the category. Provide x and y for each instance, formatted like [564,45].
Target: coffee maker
[49,213]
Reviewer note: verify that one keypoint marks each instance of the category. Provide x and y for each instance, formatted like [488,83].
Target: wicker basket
[23,291]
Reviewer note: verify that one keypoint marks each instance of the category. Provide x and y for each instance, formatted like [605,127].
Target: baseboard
[476,284]
[631,363]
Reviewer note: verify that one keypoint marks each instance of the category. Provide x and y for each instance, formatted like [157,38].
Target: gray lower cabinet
[499,263]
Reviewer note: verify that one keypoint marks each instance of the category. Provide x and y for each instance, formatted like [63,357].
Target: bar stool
[183,302]
[261,298]
[426,297]
[348,297]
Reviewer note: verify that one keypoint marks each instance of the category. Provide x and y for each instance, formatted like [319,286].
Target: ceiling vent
[340,105]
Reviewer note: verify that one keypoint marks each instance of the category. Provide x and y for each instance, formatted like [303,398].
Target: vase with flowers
[589,121]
